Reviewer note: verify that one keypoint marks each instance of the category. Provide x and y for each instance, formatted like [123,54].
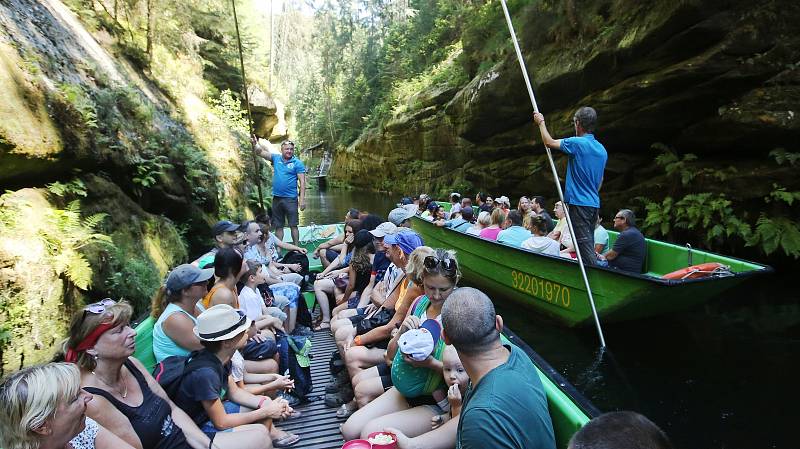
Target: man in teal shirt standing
[505,406]
[287,171]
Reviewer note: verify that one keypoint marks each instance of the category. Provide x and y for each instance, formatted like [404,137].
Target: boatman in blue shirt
[587,162]
[287,170]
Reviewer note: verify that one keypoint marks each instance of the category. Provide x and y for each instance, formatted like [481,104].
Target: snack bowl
[388,445]
[357,444]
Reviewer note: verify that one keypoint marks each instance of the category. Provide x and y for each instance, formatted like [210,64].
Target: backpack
[169,373]
[295,352]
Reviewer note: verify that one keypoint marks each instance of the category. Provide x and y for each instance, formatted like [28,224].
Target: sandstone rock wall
[718,79]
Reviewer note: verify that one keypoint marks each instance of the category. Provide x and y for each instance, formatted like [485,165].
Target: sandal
[289,439]
[344,411]
[322,326]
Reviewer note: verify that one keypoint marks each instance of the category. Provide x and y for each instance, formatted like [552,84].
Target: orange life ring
[697,271]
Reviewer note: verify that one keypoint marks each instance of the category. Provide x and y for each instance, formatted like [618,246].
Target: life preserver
[698,271]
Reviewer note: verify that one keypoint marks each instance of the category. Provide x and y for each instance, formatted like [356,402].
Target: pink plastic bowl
[357,444]
[392,445]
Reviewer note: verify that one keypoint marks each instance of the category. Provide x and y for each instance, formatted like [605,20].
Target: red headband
[88,342]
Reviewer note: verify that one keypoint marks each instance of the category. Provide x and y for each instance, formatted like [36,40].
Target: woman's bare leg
[411,422]
[251,435]
[365,374]
[368,389]
[389,402]
[266,366]
[360,358]
[323,288]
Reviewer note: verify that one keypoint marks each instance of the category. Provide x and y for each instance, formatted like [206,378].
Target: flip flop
[287,440]
[344,411]
[322,326]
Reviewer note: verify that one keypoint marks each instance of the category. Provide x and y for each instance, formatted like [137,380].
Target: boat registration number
[549,291]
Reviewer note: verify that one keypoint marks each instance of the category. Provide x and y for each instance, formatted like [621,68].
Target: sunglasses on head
[100,306]
[448,265]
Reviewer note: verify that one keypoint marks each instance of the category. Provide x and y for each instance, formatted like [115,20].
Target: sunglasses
[100,306]
[97,307]
[448,265]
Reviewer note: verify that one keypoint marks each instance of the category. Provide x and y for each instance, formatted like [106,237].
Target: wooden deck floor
[318,426]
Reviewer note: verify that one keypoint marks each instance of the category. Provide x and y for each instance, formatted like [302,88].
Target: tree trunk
[150,23]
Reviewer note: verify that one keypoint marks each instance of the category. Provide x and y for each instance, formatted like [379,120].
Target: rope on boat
[555,174]
[256,163]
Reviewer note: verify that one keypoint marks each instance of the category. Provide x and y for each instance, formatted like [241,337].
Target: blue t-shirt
[587,162]
[507,409]
[202,384]
[379,265]
[458,224]
[284,178]
[513,235]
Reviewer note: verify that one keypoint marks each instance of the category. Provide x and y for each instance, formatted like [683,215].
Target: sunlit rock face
[717,79]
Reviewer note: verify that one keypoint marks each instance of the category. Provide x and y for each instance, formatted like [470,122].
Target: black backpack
[169,373]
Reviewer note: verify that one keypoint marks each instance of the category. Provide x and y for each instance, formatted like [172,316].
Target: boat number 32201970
[537,287]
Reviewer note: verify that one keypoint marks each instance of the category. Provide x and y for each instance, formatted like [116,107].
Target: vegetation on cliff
[122,135]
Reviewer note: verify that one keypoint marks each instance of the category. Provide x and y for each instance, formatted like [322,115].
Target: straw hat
[221,322]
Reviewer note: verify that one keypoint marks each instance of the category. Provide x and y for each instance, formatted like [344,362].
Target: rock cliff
[718,79]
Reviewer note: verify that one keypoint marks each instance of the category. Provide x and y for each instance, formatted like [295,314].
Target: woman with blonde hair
[495,226]
[43,407]
[483,222]
[128,401]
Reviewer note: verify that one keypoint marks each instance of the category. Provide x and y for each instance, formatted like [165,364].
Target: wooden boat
[554,286]
[319,427]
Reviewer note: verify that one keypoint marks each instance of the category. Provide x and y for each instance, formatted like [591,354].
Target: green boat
[569,409]
[554,285]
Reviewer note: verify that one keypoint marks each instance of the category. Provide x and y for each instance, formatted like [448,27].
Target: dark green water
[722,375]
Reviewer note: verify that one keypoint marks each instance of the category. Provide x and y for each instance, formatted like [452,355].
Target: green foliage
[371,58]
[82,102]
[134,277]
[75,187]
[41,248]
[229,109]
[779,194]
[776,232]
[709,216]
[147,169]
[782,156]
[685,168]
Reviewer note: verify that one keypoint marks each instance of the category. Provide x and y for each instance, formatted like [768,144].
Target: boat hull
[554,287]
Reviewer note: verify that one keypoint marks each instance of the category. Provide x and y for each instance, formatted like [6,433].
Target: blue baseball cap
[407,241]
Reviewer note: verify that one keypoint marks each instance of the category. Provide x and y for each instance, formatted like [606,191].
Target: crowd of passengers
[531,227]
[417,355]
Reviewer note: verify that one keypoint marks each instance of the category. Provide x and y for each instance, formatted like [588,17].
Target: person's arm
[384,332]
[302,178]
[289,246]
[329,244]
[333,265]
[105,439]
[260,149]
[194,436]
[443,437]
[619,246]
[546,138]
[365,295]
[351,274]
[222,420]
[179,328]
